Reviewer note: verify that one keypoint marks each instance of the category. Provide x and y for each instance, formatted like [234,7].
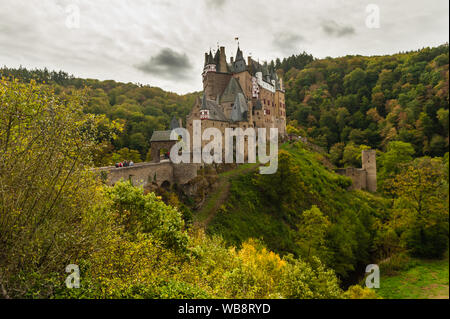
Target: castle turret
[223,67]
[175,123]
[369,164]
[210,64]
[239,64]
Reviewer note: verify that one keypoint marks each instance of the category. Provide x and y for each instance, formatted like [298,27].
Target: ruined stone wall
[358,176]
[369,164]
[364,178]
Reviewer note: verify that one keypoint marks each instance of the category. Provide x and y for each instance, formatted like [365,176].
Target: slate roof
[239,64]
[215,113]
[209,58]
[239,55]
[174,123]
[232,89]
[161,136]
[240,109]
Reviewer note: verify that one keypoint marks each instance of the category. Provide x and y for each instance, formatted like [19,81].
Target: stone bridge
[162,174]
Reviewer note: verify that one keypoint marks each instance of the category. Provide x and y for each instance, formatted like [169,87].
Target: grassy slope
[219,196]
[426,279]
[247,214]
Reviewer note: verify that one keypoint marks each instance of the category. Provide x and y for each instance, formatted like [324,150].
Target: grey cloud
[332,28]
[216,3]
[287,42]
[167,64]
[115,32]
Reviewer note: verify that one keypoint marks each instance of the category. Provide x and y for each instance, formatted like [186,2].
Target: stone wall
[215,83]
[358,176]
[369,164]
[364,178]
[156,147]
[184,173]
[145,174]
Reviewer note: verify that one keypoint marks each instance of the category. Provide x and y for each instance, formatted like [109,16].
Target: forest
[137,110]
[339,103]
[347,102]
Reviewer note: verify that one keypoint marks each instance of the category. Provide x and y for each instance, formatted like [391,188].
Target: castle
[364,178]
[236,94]
[239,94]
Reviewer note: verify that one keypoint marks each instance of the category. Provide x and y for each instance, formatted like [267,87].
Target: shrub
[427,242]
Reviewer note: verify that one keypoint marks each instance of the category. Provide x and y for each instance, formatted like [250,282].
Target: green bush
[427,242]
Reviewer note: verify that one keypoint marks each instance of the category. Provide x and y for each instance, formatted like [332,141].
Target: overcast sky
[162,42]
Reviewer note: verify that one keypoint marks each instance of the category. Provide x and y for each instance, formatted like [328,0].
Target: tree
[442,116]
[122,155]
[421,207]
[49,216]
[358,292]
[398,153]
[354,81]
[144,213]
[138,142]
[336,153]
[438,145]
[312,229]
[352,155]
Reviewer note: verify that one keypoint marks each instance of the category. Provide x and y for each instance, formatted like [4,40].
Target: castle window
[204,114]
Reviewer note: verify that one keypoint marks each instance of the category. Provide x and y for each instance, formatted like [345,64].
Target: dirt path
[217,198]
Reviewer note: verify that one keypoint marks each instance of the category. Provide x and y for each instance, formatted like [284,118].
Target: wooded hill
[357,100]
[336,102]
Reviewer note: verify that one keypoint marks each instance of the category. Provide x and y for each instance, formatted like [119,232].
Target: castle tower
[369,164]
[239,64]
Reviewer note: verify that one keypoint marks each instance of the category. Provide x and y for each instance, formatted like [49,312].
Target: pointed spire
[239,54]
[210,57]
[217,57]
[174,123]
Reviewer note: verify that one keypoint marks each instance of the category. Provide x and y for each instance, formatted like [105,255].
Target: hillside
[339,103]
[139,109]
[298,233]
[358,100]
[271,208]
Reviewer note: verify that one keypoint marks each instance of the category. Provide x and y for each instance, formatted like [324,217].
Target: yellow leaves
[358,292]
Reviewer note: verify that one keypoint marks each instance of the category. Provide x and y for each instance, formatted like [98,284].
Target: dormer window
[204,114]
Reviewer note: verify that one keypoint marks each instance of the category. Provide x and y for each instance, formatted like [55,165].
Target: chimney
[180,122]
[231,60]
